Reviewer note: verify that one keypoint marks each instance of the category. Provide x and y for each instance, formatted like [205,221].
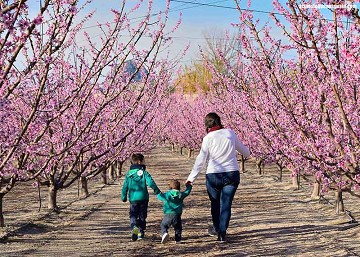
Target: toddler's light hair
[174,184]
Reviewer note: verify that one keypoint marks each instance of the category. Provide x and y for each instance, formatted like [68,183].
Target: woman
[219,149]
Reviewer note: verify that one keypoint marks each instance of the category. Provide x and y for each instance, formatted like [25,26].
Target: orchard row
[74,104]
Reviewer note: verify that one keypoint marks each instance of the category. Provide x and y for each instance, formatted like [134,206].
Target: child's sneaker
[140,236]
[134,235]
[165,238]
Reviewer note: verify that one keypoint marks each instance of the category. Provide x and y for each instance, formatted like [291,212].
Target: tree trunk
[181,150]
[111,171]
[119,166]
[52,193]
[173,147]
[103,176]
[316,191]
[4,190]
[339,202]
[84,186]
[296,182]
[242,166]
[190,153]
[281,169]
[260,166]
[2,221]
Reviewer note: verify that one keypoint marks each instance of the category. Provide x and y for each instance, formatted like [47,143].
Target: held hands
[188,183]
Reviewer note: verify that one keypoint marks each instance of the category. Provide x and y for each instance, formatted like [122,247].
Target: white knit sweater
[218,150]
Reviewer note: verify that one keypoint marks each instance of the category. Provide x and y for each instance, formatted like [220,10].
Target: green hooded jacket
[135,184]
[173,200]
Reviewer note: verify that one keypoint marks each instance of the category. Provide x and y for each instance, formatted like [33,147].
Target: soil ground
[269,218]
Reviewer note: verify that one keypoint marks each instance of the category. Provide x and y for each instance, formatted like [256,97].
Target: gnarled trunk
[242,164]
[9,184]
[260,166]
[281,169]
[84,186]
[119,165]
[111,171]
[296,182]
[52,190]
[190,153]
[339,202]
[103,175]
[316,191]
[52,193]
[2,221]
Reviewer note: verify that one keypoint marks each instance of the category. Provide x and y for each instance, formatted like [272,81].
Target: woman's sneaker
[164,238]
[212,231]
[222,238]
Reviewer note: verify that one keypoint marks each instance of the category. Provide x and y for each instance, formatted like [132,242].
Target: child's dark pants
[172,220]
[138,215]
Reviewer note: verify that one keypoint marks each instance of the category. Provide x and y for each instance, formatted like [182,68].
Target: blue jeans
[172,220]
[221,188]
[138,215]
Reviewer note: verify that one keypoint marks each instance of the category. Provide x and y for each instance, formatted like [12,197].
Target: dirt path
[269,219]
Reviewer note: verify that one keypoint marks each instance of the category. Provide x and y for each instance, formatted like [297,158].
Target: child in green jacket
[173,207]
[135,185]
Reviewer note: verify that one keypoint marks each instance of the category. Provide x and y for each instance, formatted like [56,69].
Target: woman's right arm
[199,162]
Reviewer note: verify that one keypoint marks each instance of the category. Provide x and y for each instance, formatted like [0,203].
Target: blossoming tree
[68,110]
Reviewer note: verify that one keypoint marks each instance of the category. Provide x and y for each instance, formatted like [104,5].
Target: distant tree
[193,79]
[219,45]
[220,41]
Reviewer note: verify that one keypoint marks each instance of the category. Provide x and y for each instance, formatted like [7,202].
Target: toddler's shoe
[164,238]
[134,235]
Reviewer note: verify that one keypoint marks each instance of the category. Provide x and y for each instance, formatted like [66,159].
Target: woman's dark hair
[212,120]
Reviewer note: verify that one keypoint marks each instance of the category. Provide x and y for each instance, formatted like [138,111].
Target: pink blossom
[23,24]
[38,20]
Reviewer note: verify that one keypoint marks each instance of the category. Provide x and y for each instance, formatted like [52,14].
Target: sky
[202,17]
[205,16]
[198,18]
